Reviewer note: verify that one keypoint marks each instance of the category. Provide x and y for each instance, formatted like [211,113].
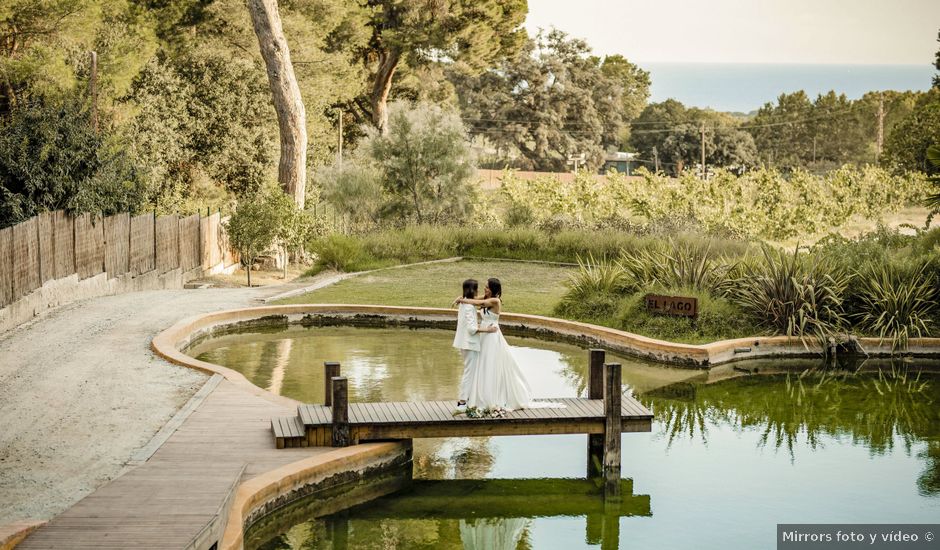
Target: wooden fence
[55,245]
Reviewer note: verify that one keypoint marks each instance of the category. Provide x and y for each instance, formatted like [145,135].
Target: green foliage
[342,253]
[553,99]
[672,133]
[897,303]
[762,203]
[258,222]
[201,118]
[421,171]
[673,264]
[51,158]
[906,146]
[718,318]
[792,294]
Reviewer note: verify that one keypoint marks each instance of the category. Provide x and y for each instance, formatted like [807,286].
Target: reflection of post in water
[337,528]
[603,530]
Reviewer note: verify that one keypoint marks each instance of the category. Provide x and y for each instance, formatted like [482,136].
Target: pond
[731,453]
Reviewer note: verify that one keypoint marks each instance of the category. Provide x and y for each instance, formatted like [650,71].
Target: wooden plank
[6,266]
[89,246]
[167,235]
[63,234]
[391,412]
[190,242]
[25,258]
[117,236]
[46,231]
[142,252]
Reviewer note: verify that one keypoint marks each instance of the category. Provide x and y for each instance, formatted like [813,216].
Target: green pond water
[730,455]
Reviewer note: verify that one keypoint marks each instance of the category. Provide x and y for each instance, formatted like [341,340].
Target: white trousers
[470,359]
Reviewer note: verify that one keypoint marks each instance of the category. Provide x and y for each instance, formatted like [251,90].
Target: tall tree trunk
[388,62]
[291,117]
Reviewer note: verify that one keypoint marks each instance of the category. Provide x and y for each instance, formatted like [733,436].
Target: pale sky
[749,31]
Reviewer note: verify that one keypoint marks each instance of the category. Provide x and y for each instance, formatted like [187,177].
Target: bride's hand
[456,301]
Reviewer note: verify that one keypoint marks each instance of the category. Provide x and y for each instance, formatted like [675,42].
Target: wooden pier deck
[409,420]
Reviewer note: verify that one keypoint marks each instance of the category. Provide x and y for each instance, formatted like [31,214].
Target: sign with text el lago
[672,305]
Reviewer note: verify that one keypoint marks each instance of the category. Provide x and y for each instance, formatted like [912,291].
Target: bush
[718,318]
[792,294]
[339,253]
[897,303]
[51,158]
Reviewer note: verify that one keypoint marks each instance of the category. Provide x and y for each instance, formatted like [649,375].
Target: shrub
[792,294]
[718,318]
[340,253]
[897,303]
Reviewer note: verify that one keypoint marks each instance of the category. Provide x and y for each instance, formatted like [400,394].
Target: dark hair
[496,288]
[470,288]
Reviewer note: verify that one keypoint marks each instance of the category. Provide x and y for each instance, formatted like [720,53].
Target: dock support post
[340,406]
[330,370]
[595,442]
[612,430]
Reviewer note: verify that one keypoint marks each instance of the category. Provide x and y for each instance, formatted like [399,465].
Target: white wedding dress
[497,381]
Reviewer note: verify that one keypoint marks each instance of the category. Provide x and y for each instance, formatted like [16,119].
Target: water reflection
[802,443]
[494,514]
[794,410]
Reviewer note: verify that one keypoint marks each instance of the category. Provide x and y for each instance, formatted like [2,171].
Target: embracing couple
[492,381]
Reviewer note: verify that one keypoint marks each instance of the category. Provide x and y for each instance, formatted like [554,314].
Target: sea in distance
[745,87]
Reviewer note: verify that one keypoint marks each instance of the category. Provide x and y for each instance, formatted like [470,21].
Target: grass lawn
[527,288]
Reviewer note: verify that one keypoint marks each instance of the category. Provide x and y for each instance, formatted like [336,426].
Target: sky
[749,31]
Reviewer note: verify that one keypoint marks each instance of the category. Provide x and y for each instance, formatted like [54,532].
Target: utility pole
[881,124]
[814,149]
[703,151]
[93,89]
[339,141]
[656,159]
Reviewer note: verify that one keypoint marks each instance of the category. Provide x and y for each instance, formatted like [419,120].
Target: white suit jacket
[467,336]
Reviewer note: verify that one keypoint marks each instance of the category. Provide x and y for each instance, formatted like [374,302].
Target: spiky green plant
[675,265]
[896,303]
[596,276]
[792,294]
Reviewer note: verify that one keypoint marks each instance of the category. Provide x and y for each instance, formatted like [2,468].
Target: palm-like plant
[792,294]
[897,304]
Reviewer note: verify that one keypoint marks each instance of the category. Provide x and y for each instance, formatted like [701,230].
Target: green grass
[527,288]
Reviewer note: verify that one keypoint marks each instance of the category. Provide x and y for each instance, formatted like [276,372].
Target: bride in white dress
[497,381]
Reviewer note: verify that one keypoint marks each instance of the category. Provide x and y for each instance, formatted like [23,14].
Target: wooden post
[330,371]
[595,444]
[612,430]
[341,412]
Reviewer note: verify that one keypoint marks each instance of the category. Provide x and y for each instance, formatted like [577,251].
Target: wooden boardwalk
[177,498]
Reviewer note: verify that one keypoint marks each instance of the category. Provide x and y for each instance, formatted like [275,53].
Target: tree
[51,158]
[906,146]
[421,170]
[200,117]
[671,134]
[291,117]
[783,137]
[253,227]
[470,34]
[634,89]
[550,101]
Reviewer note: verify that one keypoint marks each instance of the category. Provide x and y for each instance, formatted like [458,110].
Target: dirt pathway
[80,392]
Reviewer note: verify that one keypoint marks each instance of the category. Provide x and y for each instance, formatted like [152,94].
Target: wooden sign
[672,305]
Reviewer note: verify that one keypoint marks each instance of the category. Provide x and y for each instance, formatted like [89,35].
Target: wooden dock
[410,420]
[603,415]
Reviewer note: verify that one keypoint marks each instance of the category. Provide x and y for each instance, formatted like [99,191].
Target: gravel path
[80,392]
